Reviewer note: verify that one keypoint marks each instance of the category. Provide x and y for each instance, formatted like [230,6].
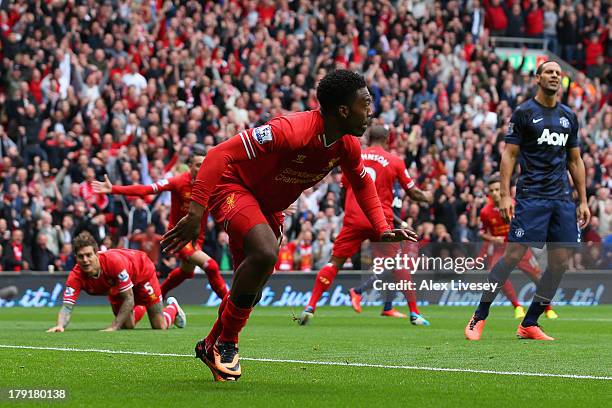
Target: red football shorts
[187,251]
[146,293]
[238,211]
[349,240]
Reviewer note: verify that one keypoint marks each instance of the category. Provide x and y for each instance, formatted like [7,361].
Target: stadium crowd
[126,88]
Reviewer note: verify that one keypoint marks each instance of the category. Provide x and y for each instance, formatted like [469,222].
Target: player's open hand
[506,209]
[399,234]
[56,329]
[184,232]
[102,187]
[584,215]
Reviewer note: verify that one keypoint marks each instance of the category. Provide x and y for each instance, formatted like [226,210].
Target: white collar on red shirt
[323,140]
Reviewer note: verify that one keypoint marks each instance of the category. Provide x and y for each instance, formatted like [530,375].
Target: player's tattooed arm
[63,318]
[419,195]
[125,312]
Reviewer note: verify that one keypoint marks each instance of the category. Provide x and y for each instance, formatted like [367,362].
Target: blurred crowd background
[126,88]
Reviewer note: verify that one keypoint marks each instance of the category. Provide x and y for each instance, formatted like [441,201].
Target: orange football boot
[355,300]
[393,313]
[474,328]
[532,333]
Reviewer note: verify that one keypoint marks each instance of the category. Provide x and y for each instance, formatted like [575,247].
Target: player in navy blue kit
[543,135]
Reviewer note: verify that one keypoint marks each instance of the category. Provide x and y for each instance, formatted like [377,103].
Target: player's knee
[129,325]
[265,258]
[559,267]
[513,256]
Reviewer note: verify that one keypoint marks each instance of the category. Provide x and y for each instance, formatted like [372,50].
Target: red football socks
[139,312]
[175,278]
[233,319]
[215,332]
[217,283]
[170,312]
[510,293]
[323,281]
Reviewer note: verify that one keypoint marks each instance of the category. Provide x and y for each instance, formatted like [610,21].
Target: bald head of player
[378,136]
[548,78]
[345,102]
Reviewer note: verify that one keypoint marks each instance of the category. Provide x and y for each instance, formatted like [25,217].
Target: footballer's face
[88,260]
[550,78]
[495,193]
[358,114]
[194,165]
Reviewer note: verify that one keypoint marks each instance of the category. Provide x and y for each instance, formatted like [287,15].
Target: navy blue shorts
[537,221]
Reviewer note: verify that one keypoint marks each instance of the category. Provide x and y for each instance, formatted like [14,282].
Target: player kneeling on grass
[127,277]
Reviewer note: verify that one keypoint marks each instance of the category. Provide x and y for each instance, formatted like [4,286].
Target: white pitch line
[324,363]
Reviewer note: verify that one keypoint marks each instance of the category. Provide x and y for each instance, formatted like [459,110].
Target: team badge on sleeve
[68,292]
[263,134]
[123,276]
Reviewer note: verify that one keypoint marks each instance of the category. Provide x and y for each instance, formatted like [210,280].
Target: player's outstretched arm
[63,319]
[508,161]
[125,312]
[106,187]
[575,166]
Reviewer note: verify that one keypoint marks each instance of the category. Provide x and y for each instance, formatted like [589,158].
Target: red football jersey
[121,269]
[276,162]
[384,168]
[492,222]
[180,186]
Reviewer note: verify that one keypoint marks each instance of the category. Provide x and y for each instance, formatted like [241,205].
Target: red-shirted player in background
[128,278]
[192,254]
[384,168]
[495,231]
[251,178]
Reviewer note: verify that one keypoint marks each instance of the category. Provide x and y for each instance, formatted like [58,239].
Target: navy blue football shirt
[544,136]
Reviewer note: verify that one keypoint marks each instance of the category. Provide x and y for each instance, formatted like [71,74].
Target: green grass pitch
[583,347]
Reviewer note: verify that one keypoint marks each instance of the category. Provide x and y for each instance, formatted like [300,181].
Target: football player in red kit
[384,168]
[192,254]
[247,181]
[128,278]
[495,230]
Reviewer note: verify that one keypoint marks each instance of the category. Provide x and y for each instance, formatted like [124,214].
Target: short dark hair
[541,66]
[337,88]
[84,239]
[378,134]
[198,149]
[494,179]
